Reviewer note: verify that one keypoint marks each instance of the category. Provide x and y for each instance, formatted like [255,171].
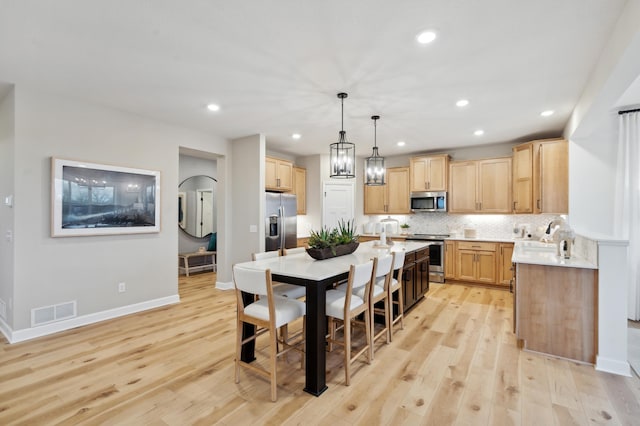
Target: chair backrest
[385,265]
[294,250]
[398,261]
[360,275]
[252,281]
[265,255]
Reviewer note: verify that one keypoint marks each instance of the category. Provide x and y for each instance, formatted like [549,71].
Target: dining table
[317,276]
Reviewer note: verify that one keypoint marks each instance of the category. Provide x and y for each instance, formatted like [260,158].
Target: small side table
[209,261]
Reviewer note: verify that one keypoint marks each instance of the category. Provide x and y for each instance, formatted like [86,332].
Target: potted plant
[405,228]
[334,242]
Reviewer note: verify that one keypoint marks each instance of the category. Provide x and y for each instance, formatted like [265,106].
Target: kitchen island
[316,276]
[555,302]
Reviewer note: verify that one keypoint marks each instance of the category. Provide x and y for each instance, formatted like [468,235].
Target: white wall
[88,269]
[7,144]
[592,132]
[248,198]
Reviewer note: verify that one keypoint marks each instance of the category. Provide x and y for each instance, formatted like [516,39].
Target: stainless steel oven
[436,254]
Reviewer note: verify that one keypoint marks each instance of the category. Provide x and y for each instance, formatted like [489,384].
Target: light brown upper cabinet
[429,173]
[541,177]
[480,186]
[278,175]
[392,198]
[523,178]
[300,189]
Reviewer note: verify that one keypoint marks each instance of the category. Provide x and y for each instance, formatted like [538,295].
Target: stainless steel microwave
[429,201]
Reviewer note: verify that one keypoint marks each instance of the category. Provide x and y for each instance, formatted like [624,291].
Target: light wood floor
[456,362]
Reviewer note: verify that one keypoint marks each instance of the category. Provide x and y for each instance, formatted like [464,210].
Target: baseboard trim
[613,366]
[44,330]
[220,285]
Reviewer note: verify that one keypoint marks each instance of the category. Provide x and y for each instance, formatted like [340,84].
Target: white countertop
[302,266]
[490,239]
[539,253]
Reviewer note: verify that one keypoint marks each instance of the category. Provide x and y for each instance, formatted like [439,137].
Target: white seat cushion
[380,281]
[394,284]
[376,289]
[286,310]
[335,303]
[291,291]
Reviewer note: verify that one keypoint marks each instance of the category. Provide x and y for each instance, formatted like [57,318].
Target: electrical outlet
[122,287]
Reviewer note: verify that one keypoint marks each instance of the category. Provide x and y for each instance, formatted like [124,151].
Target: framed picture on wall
[98,199]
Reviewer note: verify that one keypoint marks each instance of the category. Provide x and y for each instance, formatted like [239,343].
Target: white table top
[305,267]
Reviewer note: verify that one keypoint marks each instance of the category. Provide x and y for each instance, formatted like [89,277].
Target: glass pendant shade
[342,154]
[374,165]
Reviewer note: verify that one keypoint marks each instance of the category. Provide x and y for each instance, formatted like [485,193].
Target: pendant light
[374,165]
[342,153]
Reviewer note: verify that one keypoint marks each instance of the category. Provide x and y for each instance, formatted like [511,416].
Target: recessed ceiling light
[401,143]
[426,37]
[296,136]
[547,113]
[479,132]
[462,103]
[213,107]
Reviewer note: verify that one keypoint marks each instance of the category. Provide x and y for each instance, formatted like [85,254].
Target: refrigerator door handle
[283,231]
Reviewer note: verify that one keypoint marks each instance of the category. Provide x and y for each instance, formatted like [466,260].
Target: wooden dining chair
[395,285]
[281,289]
[380,295]
[342,309]
[268,313]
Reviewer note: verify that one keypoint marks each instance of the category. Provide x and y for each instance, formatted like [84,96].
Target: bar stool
[395,285]
[344,306]
[268,313]
[380,293]
[291,291]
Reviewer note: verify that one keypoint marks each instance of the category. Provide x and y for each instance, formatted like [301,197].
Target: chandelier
[374,165]
[342,153]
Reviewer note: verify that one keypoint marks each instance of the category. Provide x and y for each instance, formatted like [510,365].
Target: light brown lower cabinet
[483,262]
[556,310]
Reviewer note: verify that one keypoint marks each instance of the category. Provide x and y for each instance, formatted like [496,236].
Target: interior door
[338,203]
[205,212]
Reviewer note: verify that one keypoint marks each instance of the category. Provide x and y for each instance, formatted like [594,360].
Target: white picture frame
[97,199]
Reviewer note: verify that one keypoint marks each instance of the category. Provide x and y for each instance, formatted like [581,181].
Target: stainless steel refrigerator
[281,221]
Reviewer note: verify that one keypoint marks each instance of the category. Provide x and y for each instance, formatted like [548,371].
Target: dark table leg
[248,349]
[315,339]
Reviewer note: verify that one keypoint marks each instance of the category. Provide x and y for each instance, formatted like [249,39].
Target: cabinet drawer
[473,245]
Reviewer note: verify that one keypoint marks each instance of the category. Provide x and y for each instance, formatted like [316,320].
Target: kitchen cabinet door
[391,198]
[482,186]
[429,173]
[409,285]
[450,260]
[397,190]
[553,188]
[505,271]
[466,265]
[422,272]
[278,174]
[494,185]
[523,178]
[463,182]
[300,189]
[374,199]
[486,267]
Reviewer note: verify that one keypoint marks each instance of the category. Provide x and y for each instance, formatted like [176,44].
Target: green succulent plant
[344,233]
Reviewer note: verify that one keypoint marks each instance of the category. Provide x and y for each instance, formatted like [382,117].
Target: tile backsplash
[496,226]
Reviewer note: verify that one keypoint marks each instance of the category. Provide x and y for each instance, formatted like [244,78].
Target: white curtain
[627,202]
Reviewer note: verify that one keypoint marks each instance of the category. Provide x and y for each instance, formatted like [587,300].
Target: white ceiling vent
[47,314]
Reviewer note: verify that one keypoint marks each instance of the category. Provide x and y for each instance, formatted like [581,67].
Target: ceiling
[276,67]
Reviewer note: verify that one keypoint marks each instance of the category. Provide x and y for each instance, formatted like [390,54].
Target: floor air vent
[47,314]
